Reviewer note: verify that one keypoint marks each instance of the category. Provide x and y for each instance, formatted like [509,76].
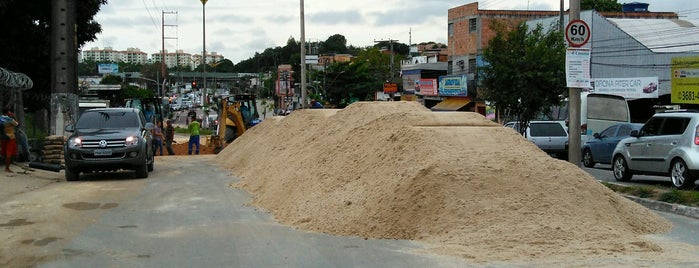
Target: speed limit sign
[577,33]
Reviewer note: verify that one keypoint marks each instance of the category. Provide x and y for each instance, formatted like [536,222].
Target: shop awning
[453,104]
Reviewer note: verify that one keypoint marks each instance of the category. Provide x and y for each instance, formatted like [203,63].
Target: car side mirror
[597,136]
[635,133]
[70,128]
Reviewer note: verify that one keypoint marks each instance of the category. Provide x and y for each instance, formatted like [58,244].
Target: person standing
[169,137]
[158,138]
[193,135]
[8,142]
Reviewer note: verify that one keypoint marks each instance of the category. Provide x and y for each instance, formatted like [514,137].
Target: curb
[666,207]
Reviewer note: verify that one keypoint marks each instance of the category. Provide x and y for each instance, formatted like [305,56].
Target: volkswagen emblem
[103,144]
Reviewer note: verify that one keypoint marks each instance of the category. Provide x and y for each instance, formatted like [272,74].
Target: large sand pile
[456,180]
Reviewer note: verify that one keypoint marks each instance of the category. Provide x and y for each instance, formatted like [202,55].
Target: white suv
[668,144]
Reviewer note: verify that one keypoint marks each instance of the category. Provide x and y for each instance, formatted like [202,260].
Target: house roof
[662,35]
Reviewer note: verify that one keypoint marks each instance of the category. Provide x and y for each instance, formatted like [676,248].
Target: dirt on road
[464,184]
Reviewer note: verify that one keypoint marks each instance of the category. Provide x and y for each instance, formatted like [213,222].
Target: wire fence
[10,79]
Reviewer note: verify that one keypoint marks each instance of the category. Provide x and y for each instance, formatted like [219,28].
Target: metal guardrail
[9,79]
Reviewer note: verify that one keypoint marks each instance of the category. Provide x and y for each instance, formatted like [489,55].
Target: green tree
[525,71]
[600,5]
[111,80]
[334,44]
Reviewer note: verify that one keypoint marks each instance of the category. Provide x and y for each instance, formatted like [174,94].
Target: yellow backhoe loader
[237,113]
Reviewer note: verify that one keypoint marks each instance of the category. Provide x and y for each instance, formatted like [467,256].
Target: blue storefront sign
[453,85]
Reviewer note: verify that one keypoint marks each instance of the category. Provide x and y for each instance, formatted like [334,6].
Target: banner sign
[578,67]
[685,80]
[410,77]
[107,68]
[284,80]
[390,88]
[630,88]
[453,85]
[426,87]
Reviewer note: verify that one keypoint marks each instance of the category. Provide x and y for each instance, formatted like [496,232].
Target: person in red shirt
[8,141]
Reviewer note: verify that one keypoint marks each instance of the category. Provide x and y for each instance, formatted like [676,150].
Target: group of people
[167,135]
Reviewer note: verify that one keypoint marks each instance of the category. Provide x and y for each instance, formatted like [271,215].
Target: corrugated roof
[662,35]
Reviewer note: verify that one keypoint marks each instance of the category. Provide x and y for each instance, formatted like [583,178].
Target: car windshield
[107,119]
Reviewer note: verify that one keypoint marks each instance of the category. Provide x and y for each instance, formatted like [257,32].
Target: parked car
[666,145]
[109,139]
[550,136]
[599,149]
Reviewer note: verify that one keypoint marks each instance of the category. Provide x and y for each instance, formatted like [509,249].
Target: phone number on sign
[688,95]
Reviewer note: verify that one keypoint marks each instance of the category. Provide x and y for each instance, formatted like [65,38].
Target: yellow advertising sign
[685,80]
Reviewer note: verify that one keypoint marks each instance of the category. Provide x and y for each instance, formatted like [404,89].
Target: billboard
[630,88]
[284,80]
[684,80]
[427,87]
[410,78]
[107,68]
[453,85]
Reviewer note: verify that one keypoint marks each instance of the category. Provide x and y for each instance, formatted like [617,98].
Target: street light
[203,51]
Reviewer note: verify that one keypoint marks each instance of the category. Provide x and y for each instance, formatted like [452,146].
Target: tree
[600,5]
[27,32]
[334,44]
[525,71]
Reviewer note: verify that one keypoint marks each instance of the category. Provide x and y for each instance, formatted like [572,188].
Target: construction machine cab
[237,113]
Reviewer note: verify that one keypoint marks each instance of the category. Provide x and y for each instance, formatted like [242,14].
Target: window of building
[472,25]
[450,29]
[472,65]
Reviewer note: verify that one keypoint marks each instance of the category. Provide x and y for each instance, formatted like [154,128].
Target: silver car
[668,144]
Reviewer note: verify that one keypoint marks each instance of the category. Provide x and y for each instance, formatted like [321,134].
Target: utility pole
[162,53]
[574,153]
[303,59]
[390,41]
[64,79]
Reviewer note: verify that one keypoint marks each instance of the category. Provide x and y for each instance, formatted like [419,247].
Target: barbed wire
[10,79]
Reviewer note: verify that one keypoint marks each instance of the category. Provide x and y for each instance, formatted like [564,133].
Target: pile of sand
[456,180]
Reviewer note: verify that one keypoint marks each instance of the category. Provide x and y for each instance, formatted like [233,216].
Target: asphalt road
[183,215]
[603,172]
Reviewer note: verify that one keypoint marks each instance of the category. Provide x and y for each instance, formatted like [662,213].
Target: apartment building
[136,56]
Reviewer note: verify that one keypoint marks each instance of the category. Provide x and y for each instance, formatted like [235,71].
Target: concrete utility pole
[203,49]
[574,153]
[64,79]
[303,58]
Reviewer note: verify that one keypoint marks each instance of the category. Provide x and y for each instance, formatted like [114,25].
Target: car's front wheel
[587,159]
[142,170]
[71,174]
[680,176]
[621,169]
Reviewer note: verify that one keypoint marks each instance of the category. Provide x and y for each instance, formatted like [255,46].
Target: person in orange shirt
[8,141]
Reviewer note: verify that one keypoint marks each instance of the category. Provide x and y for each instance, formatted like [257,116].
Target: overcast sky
[239,29]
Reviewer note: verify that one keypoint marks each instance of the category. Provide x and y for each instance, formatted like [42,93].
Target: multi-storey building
[101,55]
[136,56]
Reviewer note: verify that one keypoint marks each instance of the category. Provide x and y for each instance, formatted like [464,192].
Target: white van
[597,112]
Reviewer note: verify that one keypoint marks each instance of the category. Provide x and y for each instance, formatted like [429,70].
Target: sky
[239,29]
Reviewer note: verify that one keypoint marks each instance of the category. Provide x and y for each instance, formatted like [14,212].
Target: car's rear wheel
[587,159]
[680,176]
[621,169]
[71,174]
